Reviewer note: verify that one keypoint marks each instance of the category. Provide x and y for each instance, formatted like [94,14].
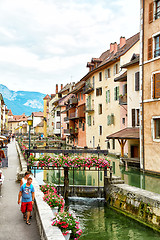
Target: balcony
[88,88]
[81,111]
[74,131]
[66,119]
[73,101]
[123,100]
[67,131]
[73,115]
[90,108]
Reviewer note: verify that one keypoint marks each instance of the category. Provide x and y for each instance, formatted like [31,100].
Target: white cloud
[33,104]
[49,40]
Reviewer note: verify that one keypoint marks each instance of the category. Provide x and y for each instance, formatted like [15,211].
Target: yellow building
[150,85]
[103,108]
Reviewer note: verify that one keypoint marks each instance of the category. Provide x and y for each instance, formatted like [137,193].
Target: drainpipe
[143,88]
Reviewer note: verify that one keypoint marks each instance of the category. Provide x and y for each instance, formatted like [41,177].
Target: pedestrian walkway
[12,226]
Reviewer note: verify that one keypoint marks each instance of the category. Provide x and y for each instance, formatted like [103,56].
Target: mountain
[22,101]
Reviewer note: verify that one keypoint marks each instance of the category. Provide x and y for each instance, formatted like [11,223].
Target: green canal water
[98,222]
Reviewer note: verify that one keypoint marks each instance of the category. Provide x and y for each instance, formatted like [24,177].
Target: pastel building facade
[150,86]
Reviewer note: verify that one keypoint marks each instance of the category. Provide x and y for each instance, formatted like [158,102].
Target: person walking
[24,180]
[27,194]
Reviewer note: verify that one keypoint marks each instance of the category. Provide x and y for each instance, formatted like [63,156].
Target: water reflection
[101,223]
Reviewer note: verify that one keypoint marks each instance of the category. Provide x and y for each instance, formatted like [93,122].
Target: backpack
[24,185]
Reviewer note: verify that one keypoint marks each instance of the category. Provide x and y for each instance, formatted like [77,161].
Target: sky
[45,42]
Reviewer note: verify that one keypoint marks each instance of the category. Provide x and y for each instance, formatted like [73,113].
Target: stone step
[119,181]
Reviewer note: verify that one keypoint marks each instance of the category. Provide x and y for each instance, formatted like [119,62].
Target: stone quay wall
[43,212]
[139,204]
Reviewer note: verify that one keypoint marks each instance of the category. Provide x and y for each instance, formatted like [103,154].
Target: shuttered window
[116,93]
[100,109]
[100,76]
[133,117]
[137,81]
[149,48]
[108,96]
[157,85]
[89,120]
[151,12]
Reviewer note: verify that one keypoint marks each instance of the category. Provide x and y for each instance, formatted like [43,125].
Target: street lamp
[30,123]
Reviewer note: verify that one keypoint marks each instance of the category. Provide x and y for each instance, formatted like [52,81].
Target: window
[93,81]
[110,119]
[78,96]
[80,123]
[157,128]
[123,121]
[157,13]
[133,118]
[98,91]
[137,81]
[81,96]
[100,76]
[137,117]
[108,145]
[89,120]
[93,121]
[83,127]
[108,96]
[100,130]
[100,109]
[113,143]
[107,73]
[156,87]
[115,70]
[58,113]
[116,93]
[57,125]
[157,46]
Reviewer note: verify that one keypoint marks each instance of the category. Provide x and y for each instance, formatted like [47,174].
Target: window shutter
[157,85]
[106,96]
[133,117]
[149,48]
[108,120]
[137,81]
[109,96]
[151,12]
[112,118]
[106,73]
[117,93]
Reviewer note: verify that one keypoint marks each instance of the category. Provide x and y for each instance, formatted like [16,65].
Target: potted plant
[54,200]
[68,224]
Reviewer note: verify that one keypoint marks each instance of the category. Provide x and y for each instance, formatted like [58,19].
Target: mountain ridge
[22,101]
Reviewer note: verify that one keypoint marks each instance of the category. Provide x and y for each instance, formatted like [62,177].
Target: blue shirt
[27,192]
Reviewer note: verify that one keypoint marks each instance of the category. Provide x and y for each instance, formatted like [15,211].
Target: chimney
[111,47]
[115,47]
[56,88]
[122,41]
[61,86]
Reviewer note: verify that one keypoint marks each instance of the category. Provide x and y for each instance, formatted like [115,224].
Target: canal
[97,220]
[101,223]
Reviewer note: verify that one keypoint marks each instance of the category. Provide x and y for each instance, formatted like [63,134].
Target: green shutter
[109,96]
[115,93]
[106,96]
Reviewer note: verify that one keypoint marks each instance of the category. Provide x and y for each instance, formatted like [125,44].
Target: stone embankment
[43,212]
[139,204]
